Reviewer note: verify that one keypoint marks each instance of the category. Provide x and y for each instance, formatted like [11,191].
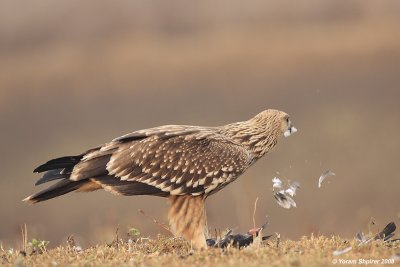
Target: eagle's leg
[187,219]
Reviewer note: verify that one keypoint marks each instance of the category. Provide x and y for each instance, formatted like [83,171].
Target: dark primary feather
[386,232]
[52,175]
[57,163]
[60,188]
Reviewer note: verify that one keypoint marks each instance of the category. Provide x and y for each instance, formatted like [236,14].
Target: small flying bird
[324,176]
[284,196]
[185,164]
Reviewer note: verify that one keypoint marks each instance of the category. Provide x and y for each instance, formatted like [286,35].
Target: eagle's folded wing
[178,161]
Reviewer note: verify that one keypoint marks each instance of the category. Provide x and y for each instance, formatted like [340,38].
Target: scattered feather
[341,251]
[395,257]
[77,249]
[362,238]
[324,176]
[388,238]
[386,234]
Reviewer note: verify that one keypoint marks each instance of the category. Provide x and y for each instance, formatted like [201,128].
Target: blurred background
[75,74]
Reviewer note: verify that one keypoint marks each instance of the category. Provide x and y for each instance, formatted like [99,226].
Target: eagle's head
[262,132]
[276,122]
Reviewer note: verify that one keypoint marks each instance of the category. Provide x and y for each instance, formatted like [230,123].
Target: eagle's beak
[291,130]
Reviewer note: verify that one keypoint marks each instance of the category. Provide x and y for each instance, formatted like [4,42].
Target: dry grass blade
[254,212]
[278,240]
[24,234]
[161,225]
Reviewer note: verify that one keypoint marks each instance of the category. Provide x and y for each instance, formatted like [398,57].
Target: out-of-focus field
[313,251]
[76,74]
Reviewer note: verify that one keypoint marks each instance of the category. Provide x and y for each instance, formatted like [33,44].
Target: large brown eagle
[186,164]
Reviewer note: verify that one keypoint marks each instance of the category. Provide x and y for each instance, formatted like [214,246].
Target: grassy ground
[309,251]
